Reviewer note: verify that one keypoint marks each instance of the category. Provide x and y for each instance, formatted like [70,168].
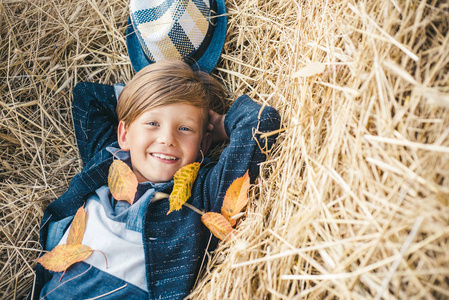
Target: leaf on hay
[217,224]
[236,198]
[311,69]
[77,228]
[63,256]
[182,189]
[122,181]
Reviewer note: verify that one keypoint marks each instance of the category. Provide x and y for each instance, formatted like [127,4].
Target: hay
[46,47]
[353,202]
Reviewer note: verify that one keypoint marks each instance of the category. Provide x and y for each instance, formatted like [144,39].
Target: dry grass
[353,202]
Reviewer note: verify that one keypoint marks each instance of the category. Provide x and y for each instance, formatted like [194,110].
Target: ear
[122,136]
[206,142]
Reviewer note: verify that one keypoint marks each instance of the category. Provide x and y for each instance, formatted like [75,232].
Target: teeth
[164,156]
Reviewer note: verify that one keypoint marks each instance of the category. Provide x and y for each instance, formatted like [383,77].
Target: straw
[352,201]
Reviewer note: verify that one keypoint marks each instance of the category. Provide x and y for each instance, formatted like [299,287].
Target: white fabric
[123,248]
[135,5]
[157,30]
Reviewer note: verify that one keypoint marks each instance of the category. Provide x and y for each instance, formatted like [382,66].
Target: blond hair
[167,82]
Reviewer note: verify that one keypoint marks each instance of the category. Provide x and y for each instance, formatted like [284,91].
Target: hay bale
[353,202]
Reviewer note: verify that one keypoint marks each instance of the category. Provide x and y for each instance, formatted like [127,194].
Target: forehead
[176,111]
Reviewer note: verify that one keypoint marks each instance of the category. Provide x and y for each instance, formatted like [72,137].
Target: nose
[167,137]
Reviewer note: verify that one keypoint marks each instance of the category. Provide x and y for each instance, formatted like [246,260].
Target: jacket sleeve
[94,117]
[244,123]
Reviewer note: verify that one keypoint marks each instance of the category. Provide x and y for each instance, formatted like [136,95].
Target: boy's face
[162,140]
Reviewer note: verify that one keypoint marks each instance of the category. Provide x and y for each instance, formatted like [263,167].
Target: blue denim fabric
[174,244]
[83,281]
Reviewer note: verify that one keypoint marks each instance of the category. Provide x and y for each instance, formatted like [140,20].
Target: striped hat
[192,30]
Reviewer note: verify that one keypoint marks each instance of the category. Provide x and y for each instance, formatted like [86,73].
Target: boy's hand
[216,127]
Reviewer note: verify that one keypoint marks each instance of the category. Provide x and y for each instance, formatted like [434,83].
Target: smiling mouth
[163,156]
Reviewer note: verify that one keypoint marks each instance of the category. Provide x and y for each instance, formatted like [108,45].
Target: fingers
[213,116]
[210,127]
[216,126]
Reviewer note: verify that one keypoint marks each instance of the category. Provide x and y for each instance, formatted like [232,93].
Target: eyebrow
[192,119]
[155,115]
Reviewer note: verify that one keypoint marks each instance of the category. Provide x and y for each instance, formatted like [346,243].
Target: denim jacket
[174,244]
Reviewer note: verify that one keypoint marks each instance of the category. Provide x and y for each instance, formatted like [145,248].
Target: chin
[164,178]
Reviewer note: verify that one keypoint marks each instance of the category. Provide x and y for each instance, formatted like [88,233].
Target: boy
[164,124]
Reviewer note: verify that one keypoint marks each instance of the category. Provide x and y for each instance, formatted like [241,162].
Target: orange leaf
[217,224]
[184,179]
[236,198]
[77,228]
[122,181]
[63,256]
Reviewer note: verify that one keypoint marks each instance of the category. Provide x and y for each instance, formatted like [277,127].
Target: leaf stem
[113,155]
[193,208]
[62,275]
[104,257]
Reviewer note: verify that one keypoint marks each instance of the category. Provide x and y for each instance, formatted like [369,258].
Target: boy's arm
[94,117]
[243,124]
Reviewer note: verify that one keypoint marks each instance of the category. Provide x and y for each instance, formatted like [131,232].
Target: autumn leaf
[77,228]
[63,256]
[217,224]
[182,189]
[122,181]
[236,198]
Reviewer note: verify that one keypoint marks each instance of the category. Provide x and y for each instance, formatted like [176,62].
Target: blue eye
[153,123]
[185,128]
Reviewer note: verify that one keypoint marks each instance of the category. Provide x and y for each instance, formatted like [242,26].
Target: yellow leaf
[182,189]
[77,228]
[236,198]
[63,256]
[217,224]
[122,181]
